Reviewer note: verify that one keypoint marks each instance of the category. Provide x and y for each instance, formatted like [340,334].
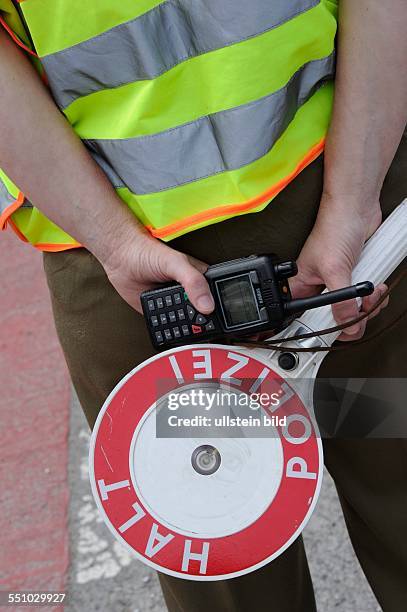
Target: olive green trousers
[103,338]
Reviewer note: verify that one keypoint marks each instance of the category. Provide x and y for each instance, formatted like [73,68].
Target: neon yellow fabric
[56,25]
[180,95]
[307,129]
[12,18]
[39,230]
[11,187]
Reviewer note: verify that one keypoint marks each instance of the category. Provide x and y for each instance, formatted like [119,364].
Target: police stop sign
[204,507]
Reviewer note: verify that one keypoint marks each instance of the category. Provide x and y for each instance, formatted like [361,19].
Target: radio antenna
[330,297]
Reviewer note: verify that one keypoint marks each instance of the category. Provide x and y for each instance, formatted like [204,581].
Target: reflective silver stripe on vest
[151,44]
[6,199]
[223,141]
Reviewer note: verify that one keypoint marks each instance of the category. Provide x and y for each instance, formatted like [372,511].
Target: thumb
[193,281]
[348,309]
[304,283]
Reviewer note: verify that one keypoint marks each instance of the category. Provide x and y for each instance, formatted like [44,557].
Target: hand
[331,252]
[144,261]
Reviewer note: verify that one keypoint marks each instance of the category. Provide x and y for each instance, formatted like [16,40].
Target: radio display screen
[238,301]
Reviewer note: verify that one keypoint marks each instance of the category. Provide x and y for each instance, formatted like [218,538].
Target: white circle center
[204,505]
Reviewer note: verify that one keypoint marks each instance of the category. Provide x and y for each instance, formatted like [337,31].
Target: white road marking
[98,557]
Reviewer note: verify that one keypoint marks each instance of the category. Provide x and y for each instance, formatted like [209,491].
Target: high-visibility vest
[196,110]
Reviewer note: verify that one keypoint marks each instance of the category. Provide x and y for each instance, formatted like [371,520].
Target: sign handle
[380,256]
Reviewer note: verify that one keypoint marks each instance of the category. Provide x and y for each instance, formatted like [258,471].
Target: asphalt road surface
[103,576]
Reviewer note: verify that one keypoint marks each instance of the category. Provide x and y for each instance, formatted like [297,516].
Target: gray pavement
[103,576]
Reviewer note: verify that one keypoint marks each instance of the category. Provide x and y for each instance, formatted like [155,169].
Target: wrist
[360,198]
[113,235]
[354,176]
[344,209]
[364,205]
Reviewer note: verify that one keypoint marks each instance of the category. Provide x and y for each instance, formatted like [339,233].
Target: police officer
[182,134]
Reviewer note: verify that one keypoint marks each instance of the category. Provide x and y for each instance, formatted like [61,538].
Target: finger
[201,266]
[348,335]
[130,291]
[367,303]
[193,281]
[371,300]
[382,306]
[347,310]
[303,286]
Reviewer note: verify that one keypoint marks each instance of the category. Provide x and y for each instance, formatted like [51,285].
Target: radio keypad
[181,314]
[176,323]
[191,312]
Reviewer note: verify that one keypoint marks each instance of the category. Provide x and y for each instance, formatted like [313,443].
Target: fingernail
[205,302]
